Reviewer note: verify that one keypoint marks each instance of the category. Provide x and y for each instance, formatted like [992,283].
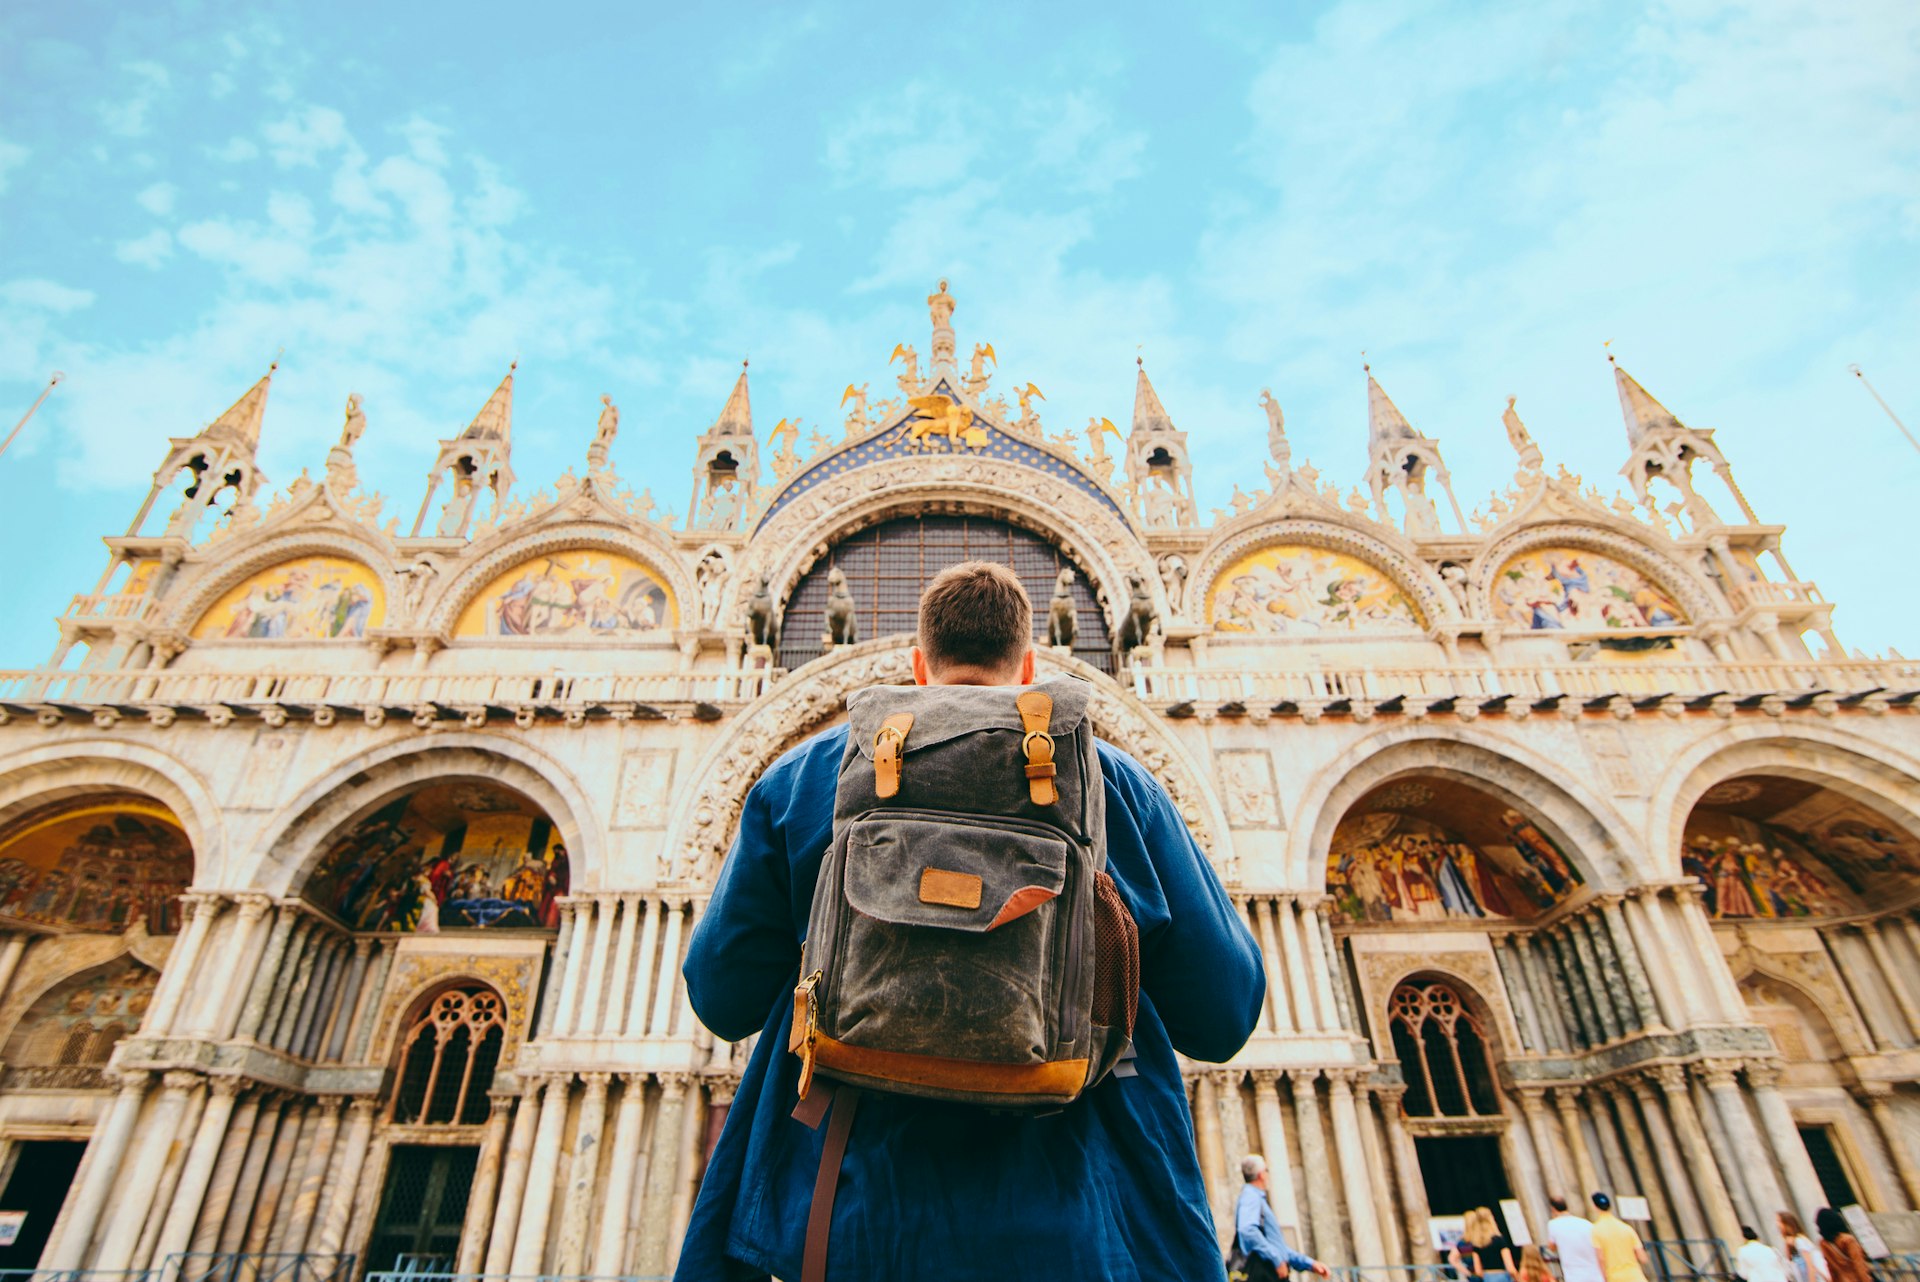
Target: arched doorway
[887,565]
[451,854]
[1445,1045]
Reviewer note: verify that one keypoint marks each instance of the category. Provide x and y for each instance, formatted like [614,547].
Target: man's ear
[1026,668]
[922,674]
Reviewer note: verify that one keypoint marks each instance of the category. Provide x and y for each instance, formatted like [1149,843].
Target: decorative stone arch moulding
[75,768]
[1812,988]
[701,829]
[1472,970]
[1635,552]
[1588,829]
[1869,771]
[298,835]
[45,969]
[418,974]
[1106,548]
[1422,586]
[644,544]
[214,579]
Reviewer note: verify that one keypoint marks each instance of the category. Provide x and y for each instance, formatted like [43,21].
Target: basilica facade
[346,866]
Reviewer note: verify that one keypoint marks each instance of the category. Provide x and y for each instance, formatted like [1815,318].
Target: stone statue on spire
[603,435]
[940,307]
[1531,459]
[1277,444]
[342,475]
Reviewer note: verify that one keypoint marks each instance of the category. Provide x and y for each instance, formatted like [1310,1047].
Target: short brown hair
[975,615]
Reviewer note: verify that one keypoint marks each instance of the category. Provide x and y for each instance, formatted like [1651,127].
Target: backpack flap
[950,875]
[942,712]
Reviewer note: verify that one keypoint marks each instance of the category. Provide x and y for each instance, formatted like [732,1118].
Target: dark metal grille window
[887,566]
[1827,1165]
[424,1208]
[447,1059]
[1442,1050]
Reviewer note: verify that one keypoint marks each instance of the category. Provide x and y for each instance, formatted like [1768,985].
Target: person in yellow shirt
[1622,1258]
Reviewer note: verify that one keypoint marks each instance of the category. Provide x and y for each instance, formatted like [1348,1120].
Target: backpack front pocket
[951,939]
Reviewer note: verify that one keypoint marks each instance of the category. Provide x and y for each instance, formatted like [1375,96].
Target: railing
[1761,592]
[1641,680]
[1690,1260]
[111,605]
[416,1275]
[240,1267]
[186,688]
[1394,1273]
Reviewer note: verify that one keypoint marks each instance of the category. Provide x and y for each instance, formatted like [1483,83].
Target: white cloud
[128,116]
[158,199]
[45,295]
[12,156]
[236,150]
[303,138]
[148,251]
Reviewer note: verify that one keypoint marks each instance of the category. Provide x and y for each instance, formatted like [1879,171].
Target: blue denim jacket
[1107,1188]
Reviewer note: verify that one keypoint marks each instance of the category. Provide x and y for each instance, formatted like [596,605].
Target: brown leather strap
[1036,712]
[813,1263]
[887,745]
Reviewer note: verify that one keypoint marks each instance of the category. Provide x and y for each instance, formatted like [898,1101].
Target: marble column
[134,1192]
[1303,1008]
[1362,1214]
[620,981]
[1732,1171]
[1273,1146]
[176,1232]
[1640,1157]
[693,1126]
[1407,1177]
[1715,1202]
[1639,987]
[1896,980]
[1673,1163]
[1651,950]
[1565,976]
[1322,1208]
[1866,1012]
[232,1233]
[1318,963]
[513,1182]
[1776,1118]
[1559,1178]
[1277,991]
[105,1151]
[1751,1156]
[1564,1103]
[663,1169]
[1235,1143]
[486,1187]
[1613,1158]
[176,976]
[610,1250]
[303,1223]
[336,1207]
[583,1178]
[290,990]
[347,1008]
[11,951]
[318,991]
[226,1174]
[1878,1098]
[536,1211]
[1342,992]
[237,965]
[594,999]
[370,1006]
[676,910]
[556,971]
[1546,1002]
[1378,1177]
[1731,1006]
[583,918]
[269,1203]
[1518,995]
[642,997]
[1599,1005]
[1615,1003]
[159,1200]
[266,973]
[1521,1161]
[1209,1149]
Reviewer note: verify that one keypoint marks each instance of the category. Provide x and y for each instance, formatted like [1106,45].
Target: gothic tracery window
[1442,1048]
[448,1053]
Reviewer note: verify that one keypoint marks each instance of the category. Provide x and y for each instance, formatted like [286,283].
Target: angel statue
[1531,459]
[1099,462]
[1276,431]
[342,476]
[977,376]
[603,435]
[857,420]
[1028,424]
[781,439]
[910,372]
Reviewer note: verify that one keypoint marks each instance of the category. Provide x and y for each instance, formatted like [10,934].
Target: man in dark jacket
[1108,1188]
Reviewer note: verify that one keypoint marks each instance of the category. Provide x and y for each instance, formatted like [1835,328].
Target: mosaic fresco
[571,594]
[1573,589]
[1290,590]
[1769,847]
[1401,856]
[80,1021]
[96,866]
[317,598]
[449,856]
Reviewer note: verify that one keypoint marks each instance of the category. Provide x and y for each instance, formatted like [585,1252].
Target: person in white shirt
[1808,1261]
[1572,1239]
[1755,1261]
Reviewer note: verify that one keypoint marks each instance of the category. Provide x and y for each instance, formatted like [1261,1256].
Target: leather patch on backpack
[949,889]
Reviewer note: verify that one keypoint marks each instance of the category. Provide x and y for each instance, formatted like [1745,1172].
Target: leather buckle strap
[1036,713]
[833,1149]
[888,743]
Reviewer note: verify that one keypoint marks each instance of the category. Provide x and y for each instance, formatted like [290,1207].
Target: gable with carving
[312,598]
[1292,589]
[572,594]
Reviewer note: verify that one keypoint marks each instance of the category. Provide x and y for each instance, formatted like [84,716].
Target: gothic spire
[736,416]
[240,425]
[1385,422]
[1149,415]
[1637,406]
[494,422]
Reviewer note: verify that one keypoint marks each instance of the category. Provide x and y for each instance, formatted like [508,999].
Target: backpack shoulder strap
[1036,713]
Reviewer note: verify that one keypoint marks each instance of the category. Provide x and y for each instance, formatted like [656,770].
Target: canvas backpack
[966,942]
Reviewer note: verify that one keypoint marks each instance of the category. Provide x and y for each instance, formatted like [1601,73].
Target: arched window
[887,565]
[1442,1048]
[448,1053]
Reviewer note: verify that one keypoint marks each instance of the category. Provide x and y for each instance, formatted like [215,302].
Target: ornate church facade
[346,870]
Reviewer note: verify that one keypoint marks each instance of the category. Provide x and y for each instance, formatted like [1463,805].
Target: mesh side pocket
[1116,958]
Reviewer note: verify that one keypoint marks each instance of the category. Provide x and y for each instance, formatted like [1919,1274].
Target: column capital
[677,902]
[254,905]
[362,1108]
[1641,1086]
[1227,1079]
[721,1087]
[1342,1080]
[1302,1079]
[1566,1098]
[596,1083]
[1671,1078]
[1719,1074]
[567,907]
[179,1081]
[1533,1099]
[1764,1074]
[363,947]
[635,1081]
[1266,1081]
[1872,1094]
[673,1086]
[226,1086]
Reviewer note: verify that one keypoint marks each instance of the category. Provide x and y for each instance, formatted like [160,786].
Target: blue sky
[629,200]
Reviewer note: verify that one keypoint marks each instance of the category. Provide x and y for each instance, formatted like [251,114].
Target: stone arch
[701,828]
[27,1002]
[1105,546]
[298,837]
[1584,825]
[1871,772]
[60,772]
[1682,583]
[516,547]
[1820,1012]
[1416,580]
[192,600]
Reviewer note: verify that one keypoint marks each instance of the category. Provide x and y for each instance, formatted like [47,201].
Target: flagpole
[1861,375]
[55,381]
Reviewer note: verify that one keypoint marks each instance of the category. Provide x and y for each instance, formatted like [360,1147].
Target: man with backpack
[968,1068]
